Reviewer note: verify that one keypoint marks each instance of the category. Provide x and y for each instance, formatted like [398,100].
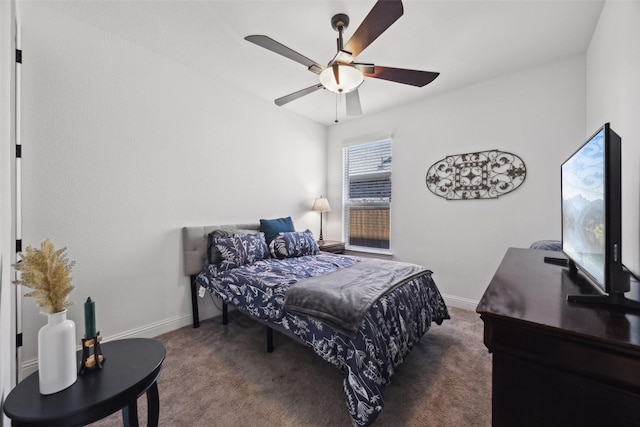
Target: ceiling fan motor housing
[339,22]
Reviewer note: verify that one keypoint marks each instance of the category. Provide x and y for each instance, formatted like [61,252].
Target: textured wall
[613,95]
[537,114]
[123,147]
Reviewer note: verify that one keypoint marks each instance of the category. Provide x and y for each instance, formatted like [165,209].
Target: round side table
[131,368]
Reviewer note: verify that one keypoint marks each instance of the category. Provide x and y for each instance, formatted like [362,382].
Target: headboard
[194,247]
[195,240]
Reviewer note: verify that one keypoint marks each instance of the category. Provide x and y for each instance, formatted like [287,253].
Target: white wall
[537,114]
[122,147]
[613,95]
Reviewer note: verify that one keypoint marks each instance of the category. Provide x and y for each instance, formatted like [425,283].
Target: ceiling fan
[342,75]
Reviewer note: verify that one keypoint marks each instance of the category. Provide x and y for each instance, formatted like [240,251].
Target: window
[366,194]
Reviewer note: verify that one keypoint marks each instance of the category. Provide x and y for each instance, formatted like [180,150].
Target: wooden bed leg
[269,340]
[225,313]
[194,302]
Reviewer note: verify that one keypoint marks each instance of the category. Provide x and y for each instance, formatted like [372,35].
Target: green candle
[89,319]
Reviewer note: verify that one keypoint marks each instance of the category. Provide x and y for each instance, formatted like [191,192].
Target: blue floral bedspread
[392,326]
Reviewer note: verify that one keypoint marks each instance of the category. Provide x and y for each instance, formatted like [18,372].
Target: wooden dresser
[556,363]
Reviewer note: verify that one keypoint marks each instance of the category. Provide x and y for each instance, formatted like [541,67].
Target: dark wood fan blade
[381,17]
[299,94]
[274,46]
[402,75]
[353,103]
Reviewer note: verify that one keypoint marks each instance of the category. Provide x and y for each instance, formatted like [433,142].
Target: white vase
[57,353]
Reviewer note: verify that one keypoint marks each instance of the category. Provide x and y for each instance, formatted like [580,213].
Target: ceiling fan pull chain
[337,95]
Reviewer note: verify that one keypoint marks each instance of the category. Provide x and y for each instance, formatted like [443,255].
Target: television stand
[616,299]
[556,363]
[611,299]
[563,262]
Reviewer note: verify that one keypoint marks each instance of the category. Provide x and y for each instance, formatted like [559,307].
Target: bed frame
[194,243]
[195,240]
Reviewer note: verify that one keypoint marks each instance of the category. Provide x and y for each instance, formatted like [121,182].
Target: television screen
[592,218]
[583,208]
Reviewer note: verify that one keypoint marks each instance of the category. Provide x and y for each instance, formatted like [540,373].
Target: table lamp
[321,204]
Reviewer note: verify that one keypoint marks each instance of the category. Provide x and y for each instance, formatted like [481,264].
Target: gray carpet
[222,376]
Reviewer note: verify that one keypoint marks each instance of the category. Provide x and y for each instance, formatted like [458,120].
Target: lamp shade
[350,78]
[321,204]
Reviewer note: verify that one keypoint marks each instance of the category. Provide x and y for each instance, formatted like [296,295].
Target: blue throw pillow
[294,244]
[240,250]
[271,227]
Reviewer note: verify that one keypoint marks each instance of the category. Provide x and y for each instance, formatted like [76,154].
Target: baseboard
[162,327]
[171,324]
[148,331]
[459,302]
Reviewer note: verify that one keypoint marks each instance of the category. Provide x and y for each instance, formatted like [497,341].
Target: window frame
[347,204]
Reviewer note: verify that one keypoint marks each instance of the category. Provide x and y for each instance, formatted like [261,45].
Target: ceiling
[466,41]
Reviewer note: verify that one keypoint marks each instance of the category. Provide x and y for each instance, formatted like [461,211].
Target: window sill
[369,251]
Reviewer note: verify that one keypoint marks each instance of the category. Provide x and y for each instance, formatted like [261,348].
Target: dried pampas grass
[48,273]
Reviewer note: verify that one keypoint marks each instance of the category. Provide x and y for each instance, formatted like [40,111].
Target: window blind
[366,194]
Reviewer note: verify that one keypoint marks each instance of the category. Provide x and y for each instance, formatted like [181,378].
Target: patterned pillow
[294,244]
[240,250]
[549,245]
[213,253]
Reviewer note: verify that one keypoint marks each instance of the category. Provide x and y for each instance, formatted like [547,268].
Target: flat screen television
[592,215]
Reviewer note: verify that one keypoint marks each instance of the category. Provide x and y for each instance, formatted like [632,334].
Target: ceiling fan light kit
[349,78]
[342,75]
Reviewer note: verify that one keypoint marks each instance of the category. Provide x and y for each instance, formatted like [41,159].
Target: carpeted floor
[222,376]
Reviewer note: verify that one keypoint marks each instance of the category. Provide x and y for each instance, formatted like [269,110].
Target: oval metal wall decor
[481,175]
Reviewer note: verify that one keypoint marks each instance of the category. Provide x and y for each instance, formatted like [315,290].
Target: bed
[361,315]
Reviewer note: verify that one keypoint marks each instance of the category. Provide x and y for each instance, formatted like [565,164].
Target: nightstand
[131,368]
[332,246]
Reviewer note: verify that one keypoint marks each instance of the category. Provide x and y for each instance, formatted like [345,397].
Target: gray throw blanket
[342,298]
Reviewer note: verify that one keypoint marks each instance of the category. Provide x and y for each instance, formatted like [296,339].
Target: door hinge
[19,340]
[18,151]
[19,245]
[19,56]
